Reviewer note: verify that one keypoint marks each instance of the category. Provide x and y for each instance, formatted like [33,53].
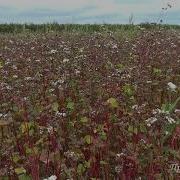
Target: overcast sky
[88,11]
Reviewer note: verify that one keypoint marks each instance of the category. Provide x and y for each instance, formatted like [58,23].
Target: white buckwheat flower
[171,86]
[53,177]
[53,51]
[151,120]
[65,60]
[170,120]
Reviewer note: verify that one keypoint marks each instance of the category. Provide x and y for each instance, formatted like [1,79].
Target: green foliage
[133,129]
[81,169]
[101,112]
[89,28]
[20,171]
[128,90]
[170,107]
[113,103]
[1,64]
[103,163]
[55,106]
[157,71]
[88,139]
[16,158]
[84,120]
[24,177]
[70,105]
[120,67]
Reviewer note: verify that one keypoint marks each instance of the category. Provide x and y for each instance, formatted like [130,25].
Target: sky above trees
[89,11]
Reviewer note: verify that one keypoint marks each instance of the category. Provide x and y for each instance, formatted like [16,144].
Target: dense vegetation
[55,27]
[97,105]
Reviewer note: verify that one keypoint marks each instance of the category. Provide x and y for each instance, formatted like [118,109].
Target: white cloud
[93,8]
[125,6]
[58,4]
[101,4]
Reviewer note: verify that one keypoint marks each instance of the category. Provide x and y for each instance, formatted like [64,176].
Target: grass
[90,104]
[88,28]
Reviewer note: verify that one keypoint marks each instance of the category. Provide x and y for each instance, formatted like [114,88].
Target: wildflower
[28,78]
[157,111]
[11,42]
[114,46]
[15,76]
[50,129]
[71,155]
[177,111]
[53,51]
[143,141]
[81,50]
[170,120]
[62,114]
[41,130]
[175,167]
[65,60]
[53,177]
[135,107]
[25,98]
[151,120]
[171,86]
[59,81]
[51,90]
[118,169]
[77,71]
[14,67]
[119,155]
[9,87]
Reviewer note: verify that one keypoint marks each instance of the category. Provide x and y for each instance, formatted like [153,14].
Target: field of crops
[90,105]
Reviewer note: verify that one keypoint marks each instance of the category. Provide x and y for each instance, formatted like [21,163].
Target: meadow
[89,102]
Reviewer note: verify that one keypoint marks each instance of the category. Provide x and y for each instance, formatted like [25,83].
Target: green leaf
[103,163]
[88,164]
[84,120]
[114,118]
[24,177]
[27,126]
[169,107]
[113,102]
[20,170]
[31,132]
[157,71]
[88,139]
[70,105]
[103,135]
[128,90]
[1,64]
[174,104]
[24,127]
[175,153]
[120,66]
[131,128]
[80,169]
[55,106]
[29,151]
[4,178]
[143,128]
[16,158]
[135,130]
